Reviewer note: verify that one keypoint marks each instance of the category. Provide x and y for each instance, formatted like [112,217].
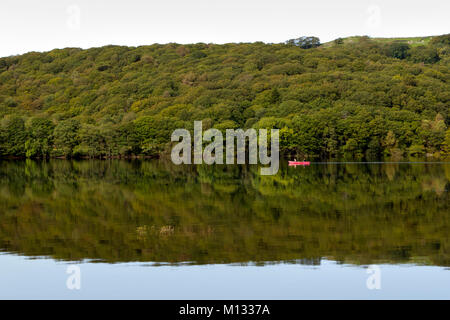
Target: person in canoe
[299,163]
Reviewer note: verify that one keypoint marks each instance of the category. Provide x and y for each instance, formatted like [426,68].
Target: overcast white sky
[32,25]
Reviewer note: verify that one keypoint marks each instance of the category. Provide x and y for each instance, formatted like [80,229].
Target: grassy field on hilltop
[411,41]
[355,97]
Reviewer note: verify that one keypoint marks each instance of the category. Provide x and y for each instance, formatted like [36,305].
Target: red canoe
[299,163]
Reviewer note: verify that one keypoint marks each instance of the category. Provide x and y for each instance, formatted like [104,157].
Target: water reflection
[122,211]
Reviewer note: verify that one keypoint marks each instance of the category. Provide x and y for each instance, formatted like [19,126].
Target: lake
[151,229]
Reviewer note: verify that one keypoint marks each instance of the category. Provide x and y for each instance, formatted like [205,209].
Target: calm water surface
[150,229]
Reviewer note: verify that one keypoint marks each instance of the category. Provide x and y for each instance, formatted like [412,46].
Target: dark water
[155,213]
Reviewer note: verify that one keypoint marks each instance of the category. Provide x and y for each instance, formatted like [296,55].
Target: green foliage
[443,40]
[424,54]
[330,101]
[14,136]
[398,50]
[432,133]
[305,42]
[40,138]
[416,150]
[10,102]
[66,137]
[339,41]
[446,145]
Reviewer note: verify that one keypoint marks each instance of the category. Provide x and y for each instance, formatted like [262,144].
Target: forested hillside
[363,98]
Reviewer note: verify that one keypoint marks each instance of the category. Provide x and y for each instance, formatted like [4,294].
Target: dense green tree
[424,54]
[305,42]
[14,136]
[66,137]
[398,50]
[441,40]
[446,145]
[339,41]
[390,144]
[40,138]
[433,133]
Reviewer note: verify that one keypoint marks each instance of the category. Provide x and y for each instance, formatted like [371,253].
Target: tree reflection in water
[122,211]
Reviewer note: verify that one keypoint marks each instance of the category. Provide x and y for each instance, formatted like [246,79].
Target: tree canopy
[359,98]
